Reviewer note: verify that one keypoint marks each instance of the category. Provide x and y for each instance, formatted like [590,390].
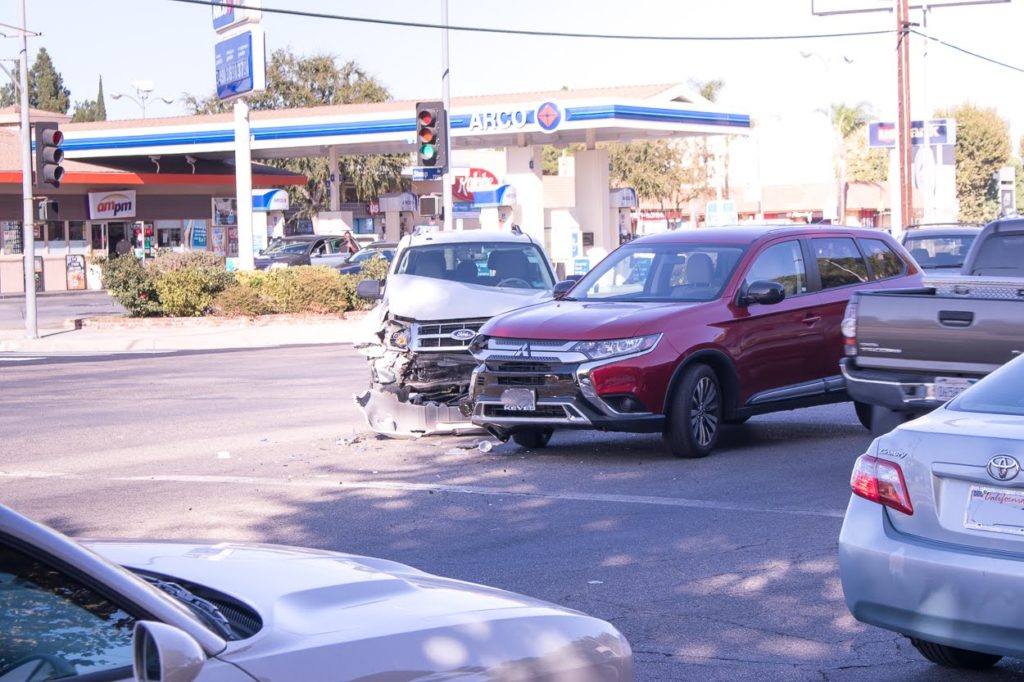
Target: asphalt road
[715,569]
[53,310]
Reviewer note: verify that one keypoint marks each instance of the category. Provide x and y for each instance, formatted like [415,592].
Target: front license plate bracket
[519,399]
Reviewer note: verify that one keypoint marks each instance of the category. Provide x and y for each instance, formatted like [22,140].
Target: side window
[54,627]
[782,263]
[884,261]
[839,262]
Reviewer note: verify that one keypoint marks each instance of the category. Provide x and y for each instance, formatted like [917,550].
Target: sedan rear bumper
[928,590]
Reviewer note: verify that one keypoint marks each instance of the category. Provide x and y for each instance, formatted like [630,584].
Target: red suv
[681,332]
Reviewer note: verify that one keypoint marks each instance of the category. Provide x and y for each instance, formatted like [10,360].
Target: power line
[968,52]
[541,34]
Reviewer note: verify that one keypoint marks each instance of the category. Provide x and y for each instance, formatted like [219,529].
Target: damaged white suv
[442,286]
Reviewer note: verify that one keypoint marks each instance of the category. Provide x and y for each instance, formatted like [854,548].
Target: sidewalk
[112,333]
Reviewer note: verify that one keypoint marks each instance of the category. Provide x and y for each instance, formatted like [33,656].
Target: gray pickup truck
[910,350]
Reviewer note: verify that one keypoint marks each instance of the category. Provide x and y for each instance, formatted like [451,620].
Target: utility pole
[28,220]
[904,160]
[446,185]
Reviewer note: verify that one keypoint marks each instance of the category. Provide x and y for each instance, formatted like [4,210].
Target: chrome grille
[438,335]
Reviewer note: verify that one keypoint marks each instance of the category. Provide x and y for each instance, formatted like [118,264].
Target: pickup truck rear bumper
[898,391]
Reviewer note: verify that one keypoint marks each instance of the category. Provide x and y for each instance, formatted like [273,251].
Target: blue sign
[548,116]
[580,266]
[940,131]
[233,60]
[427,173]
[223,14]
[199,236]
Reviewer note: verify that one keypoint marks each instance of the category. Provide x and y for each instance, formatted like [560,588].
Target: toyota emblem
[1003,468]
[463,334]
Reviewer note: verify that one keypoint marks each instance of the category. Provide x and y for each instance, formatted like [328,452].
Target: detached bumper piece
[389,416]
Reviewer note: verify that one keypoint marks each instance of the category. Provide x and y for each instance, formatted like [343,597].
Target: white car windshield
[492,264]
[287,247]
[660,272]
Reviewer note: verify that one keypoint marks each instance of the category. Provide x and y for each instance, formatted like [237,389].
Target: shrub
[189,290]
[308,289]
[131,285]
[172,261]
[243,299]
[375,268]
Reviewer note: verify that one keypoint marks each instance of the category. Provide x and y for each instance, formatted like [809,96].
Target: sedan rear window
[998,393]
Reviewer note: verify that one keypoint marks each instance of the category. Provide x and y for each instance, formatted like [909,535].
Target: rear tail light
[881,481]
[849,327]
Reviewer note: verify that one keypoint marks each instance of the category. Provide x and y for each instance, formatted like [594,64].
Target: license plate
[519,399]
[947,388]
[1000,510]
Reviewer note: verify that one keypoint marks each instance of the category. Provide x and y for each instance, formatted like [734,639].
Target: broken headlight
[397,335]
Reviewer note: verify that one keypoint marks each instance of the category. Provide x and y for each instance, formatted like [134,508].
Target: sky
[171,44]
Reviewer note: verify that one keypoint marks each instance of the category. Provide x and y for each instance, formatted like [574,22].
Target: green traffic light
[427,151]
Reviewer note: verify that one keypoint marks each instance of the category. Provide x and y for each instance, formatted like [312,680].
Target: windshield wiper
[206,610]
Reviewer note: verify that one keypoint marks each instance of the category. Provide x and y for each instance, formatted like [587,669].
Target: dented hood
[426,298]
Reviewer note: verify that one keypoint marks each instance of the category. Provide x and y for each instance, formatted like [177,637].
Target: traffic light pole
[446,185]
[28,220]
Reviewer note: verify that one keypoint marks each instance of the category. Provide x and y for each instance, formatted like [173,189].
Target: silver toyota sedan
[182,611]
[932,545]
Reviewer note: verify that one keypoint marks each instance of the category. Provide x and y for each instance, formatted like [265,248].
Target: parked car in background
[441,288]
[680,332]
[940,248]
[908,352]
[932,544]
[354,263]
[309,249]
[178,611]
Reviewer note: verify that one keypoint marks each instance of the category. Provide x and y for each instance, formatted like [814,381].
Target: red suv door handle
[812,320]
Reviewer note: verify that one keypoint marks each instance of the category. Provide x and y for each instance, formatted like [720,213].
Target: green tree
[91,109]
[46,89]
[294,81]
[848,125]
[651,168]
[982,148]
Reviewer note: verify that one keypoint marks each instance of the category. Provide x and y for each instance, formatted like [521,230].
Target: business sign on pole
[939,131]
[240,61]
[826,7]
[228,15]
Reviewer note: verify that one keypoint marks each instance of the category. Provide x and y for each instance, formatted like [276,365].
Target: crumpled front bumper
[388,416]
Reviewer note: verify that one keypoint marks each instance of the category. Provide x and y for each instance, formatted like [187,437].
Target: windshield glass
[287,247]
[1000,254]
[946,251]
[660,272]
[998,393]
[368,254]
[500,264]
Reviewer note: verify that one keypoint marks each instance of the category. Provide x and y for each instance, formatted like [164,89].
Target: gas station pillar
[592,202]
[523,170]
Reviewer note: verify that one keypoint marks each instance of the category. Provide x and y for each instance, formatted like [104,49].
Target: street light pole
[143,90]
[28,220]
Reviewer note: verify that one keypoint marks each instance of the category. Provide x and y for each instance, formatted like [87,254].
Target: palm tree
[846,121]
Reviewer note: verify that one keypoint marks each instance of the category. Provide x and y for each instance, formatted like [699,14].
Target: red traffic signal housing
[49,155]
[431,135]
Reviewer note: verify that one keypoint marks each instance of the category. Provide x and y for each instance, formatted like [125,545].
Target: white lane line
[23,358]
[394,486]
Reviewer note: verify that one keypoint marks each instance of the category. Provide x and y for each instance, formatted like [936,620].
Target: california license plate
[947,388]
[996,509]
[519,399]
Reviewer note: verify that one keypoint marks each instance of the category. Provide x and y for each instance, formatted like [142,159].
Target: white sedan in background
[932,545]
[177,612]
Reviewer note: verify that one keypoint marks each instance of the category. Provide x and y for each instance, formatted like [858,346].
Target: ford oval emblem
[1003,468]
[463,334]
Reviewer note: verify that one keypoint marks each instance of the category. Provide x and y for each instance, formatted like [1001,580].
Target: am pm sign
[937,131]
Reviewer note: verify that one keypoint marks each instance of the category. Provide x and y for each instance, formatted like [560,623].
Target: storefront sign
[227,15]
[472,180]
[240,63]
[225,211]
[75,272]
[940,131]
[498,120]
[118,204]
[198,235]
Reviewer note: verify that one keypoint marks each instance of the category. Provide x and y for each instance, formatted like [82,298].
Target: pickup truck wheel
[863,413]
[533,439]
[695,415]
[951,657]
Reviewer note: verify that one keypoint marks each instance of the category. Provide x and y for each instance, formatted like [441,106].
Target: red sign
[474,180]
[373,207]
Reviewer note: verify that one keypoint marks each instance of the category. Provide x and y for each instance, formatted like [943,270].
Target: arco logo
[548,116]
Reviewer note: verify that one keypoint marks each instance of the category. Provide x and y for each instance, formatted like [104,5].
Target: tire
[863,413]
[695,414]
[951,657]
[532,439]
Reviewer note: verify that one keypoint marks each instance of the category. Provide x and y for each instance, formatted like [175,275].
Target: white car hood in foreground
[427,298]
[345,617]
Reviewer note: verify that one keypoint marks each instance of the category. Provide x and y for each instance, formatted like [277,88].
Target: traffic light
[48,210]
[49,155]
[431,135]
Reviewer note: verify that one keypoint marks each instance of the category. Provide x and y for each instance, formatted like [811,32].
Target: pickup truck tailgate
[956,326]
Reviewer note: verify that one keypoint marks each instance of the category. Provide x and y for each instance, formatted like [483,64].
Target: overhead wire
[539,34]
[971,53]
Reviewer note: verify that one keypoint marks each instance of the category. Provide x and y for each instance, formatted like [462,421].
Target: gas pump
[621,202]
